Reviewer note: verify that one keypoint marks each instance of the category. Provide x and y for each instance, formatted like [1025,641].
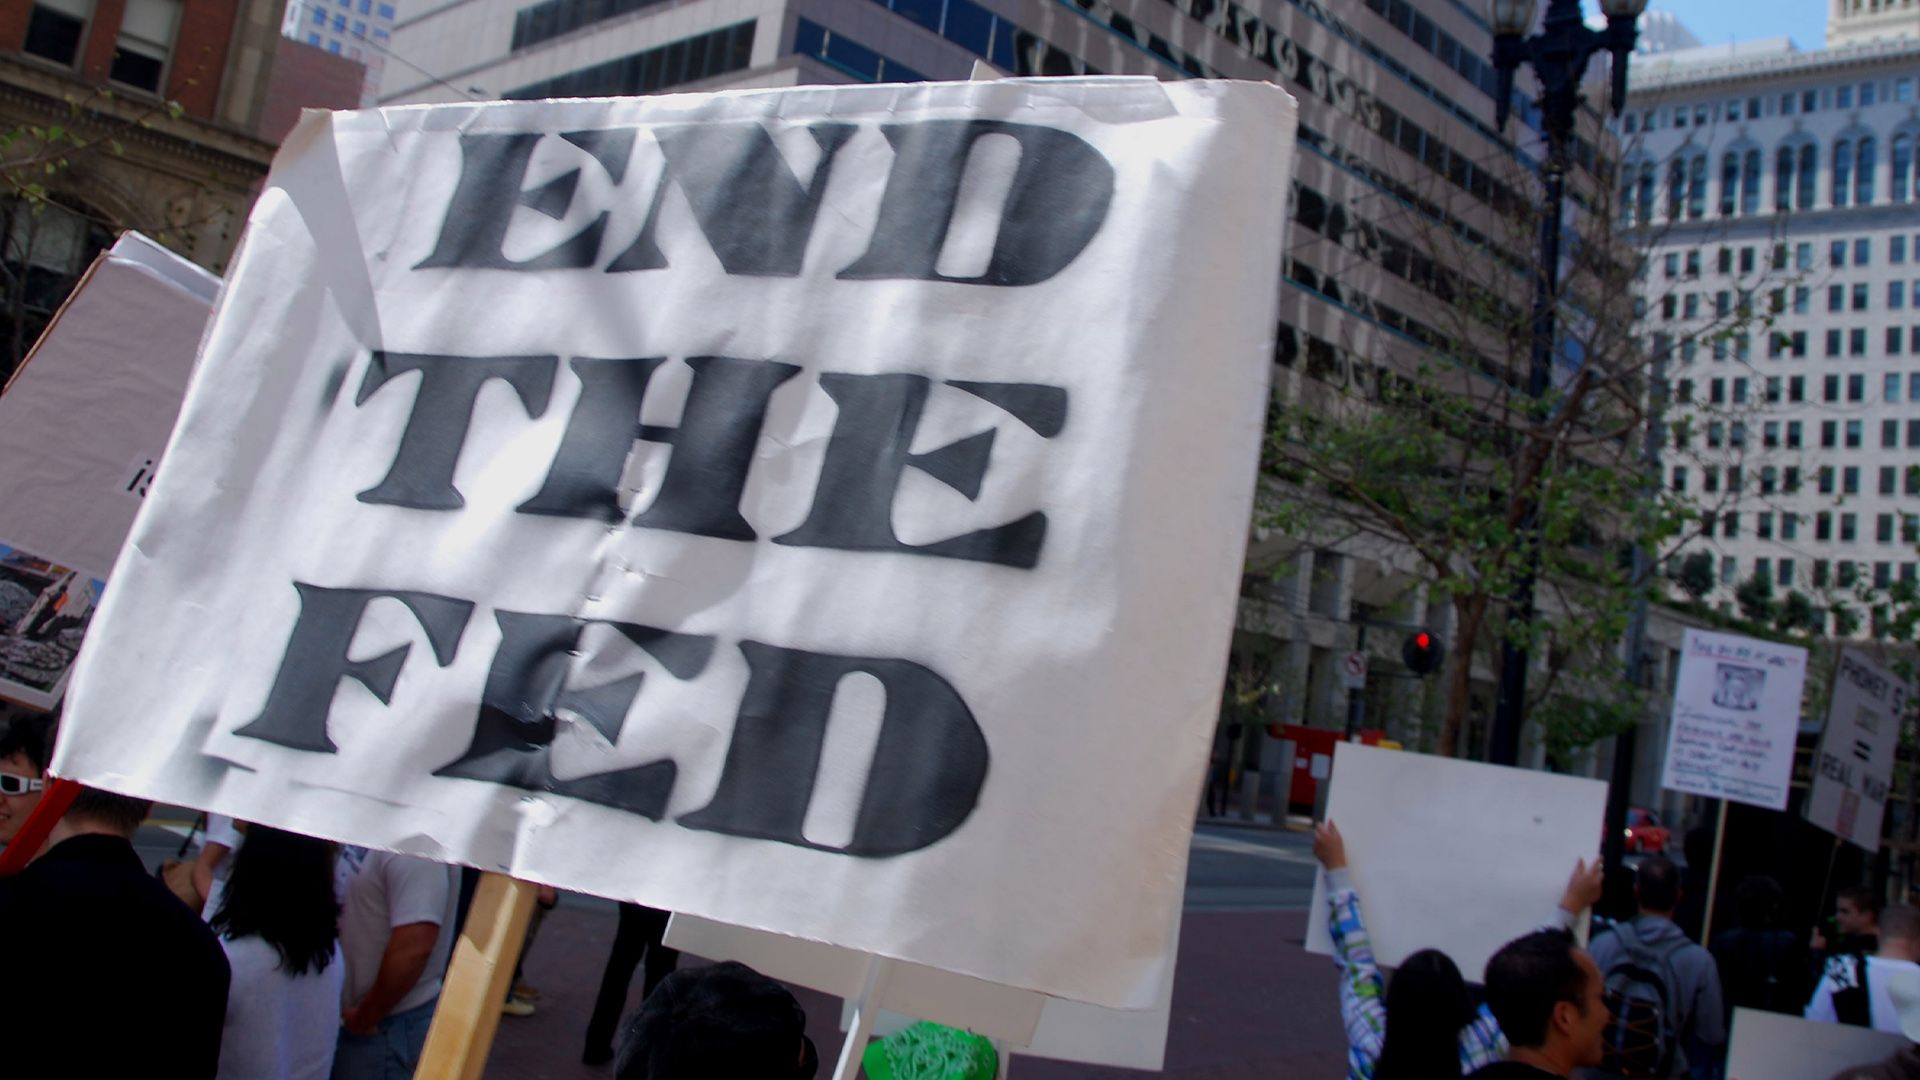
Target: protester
[1856,922]
[1903,989]
[641,931]
[108,974]
[1548,996]
[212,865]
[278,922]
[1423,1025]
[725,1020]
[1854,988]
[1762,965]
[1649,967]
[391,919]
[25,748]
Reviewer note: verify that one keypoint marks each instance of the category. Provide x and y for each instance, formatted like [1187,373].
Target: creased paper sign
[1453,855]
[1853,771]
[1736,712]
[82,424]
[818,510]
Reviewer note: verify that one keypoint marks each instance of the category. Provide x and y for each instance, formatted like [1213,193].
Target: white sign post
[82,424]
[1854,771]
[1736,711]
[795,508]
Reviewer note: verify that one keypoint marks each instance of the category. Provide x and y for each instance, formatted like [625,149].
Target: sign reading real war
[1854,770]
[817,510]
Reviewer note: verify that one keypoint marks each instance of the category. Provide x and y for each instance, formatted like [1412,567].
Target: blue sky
[1717,22]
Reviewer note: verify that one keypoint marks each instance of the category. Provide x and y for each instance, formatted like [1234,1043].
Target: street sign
[1353,670]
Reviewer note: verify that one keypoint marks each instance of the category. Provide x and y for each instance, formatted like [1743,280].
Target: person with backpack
[1854,989]
[1663,990]
[1762,964]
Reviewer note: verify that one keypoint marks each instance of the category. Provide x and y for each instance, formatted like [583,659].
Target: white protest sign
[1769,1046]
[82,424]
[1736,712]
[798,508]
[1453,855]
[1854,770]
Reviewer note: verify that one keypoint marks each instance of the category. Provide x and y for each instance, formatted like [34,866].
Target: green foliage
[1755,597]
[1695,575]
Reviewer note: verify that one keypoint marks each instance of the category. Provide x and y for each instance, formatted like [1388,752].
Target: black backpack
[1642,1035]
[1851,1005]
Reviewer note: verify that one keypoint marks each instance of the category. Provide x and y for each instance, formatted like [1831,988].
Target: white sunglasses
[15,784]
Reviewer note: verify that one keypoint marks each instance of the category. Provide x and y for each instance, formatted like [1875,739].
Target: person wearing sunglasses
[24,750]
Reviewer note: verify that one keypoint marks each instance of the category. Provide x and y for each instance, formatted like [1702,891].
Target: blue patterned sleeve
[1362,989]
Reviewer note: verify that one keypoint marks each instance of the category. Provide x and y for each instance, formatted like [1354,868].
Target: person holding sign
[1424,1025]
[1903,990]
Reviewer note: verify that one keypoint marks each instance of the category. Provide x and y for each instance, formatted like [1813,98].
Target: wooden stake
[477,978]
[1713,879]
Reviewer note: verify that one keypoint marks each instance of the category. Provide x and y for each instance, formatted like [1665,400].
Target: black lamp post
[1558,55]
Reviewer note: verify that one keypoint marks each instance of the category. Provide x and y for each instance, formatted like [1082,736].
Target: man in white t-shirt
[392,914]
[1899,949]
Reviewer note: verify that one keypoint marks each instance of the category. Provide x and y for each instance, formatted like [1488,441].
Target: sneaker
[517,1006]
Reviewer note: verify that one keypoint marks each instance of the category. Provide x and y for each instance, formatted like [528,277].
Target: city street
[1248,1000]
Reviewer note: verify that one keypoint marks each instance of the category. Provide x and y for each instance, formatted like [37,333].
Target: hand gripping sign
[817,510]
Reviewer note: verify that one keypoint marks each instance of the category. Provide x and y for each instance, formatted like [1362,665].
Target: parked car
[1645,833]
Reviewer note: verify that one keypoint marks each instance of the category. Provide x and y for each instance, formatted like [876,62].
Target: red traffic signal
[1422,653]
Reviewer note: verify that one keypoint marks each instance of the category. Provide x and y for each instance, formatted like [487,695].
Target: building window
[1896,249]
[1729,569]
[1783,572]
[1697,188]
[55,29]
[1823,526]
[1793,434]
[1829,434]
[1857,341]
[1809,100]
[1896,295]
[1890,389]
[1823,480]
[702,56]
[1837,254]
[1836,298]
[313,40]
[1883,532]
[386,11]
[1900,183]
[1893,340]
[1843,97]
[1849,528]
[1860,296]
[1863,173]
[1842,189]
[1867,94]
[1789,526]
[1862,251]
[1853,437]
[1802,298]
[1856,388]
[1887,481]
[1833,342]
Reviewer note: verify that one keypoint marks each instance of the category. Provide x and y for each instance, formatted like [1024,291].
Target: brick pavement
[1248,1002]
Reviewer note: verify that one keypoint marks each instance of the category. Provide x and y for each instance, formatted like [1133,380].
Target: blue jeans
[390,1053]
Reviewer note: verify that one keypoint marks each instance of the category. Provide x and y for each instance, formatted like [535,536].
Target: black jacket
[109,974]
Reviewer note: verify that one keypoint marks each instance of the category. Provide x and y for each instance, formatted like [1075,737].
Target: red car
[1645,833]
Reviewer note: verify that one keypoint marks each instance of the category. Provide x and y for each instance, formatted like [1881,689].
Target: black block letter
[422,474]
[928,767]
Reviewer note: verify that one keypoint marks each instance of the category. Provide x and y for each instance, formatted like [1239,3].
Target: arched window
[1842,189]
[1750,184]
[47,246]
[1627,186]
[1864,168]
[1729,183]
[1697,188]
[1809,174]
[1676,189]
[1783,178]
[1900,184]
[1644,204]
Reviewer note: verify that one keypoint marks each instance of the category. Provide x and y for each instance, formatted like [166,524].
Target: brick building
[160,106]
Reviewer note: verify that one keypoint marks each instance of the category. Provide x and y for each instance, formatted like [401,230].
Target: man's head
[25,746]
[1856,910]
[1550,1000]
[1656,885]
[96,811]
[1900,932]
[722,1020]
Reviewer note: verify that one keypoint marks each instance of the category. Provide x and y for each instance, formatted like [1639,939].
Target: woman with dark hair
[278,922]
[1423,1025]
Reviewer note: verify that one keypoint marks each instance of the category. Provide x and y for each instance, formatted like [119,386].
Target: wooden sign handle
[476,984]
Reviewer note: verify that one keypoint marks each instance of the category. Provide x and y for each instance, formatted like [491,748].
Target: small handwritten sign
[1736,708]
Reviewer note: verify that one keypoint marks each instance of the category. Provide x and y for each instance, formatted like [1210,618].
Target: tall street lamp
[1558,55]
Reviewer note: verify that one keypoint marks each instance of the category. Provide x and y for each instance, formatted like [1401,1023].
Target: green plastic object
[928,1051]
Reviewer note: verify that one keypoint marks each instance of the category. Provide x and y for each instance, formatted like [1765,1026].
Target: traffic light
[1422,653]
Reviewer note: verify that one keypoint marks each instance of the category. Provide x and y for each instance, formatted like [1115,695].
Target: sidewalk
[1248,1002]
